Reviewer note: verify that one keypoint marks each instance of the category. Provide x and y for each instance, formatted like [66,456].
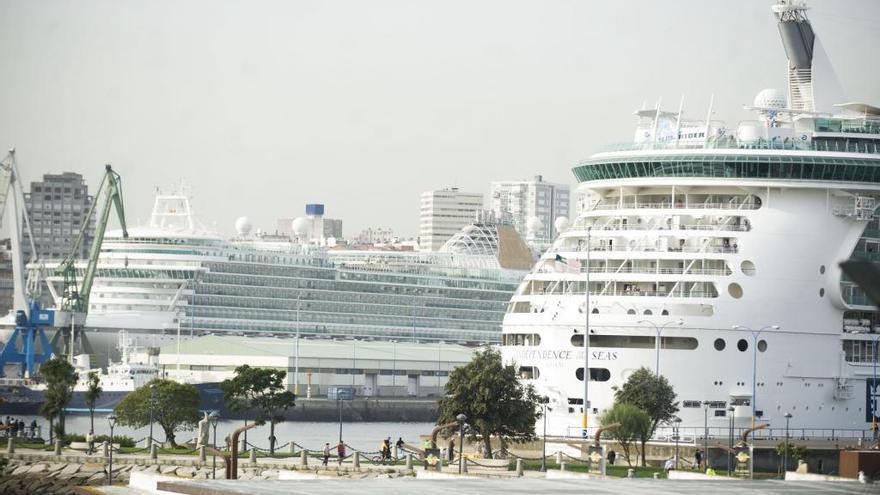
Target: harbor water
[364,436]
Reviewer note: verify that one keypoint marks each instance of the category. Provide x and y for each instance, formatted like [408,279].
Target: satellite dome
[300,226]
[770,98]
[534,224]
[243,226]
[562,223]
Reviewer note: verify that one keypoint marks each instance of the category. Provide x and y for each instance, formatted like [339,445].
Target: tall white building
[443,213]
[532,206]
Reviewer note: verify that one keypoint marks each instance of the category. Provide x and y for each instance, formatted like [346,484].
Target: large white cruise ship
[172,277]
[724,244]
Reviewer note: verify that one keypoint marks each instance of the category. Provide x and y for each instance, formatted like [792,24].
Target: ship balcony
[580,230]
[579,246]
[672,289]
[671,201]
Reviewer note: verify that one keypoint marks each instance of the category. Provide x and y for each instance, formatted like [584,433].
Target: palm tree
[93,391]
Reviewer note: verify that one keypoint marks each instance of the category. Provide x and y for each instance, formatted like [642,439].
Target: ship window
[529,372]
[735,290]
[748,268]
[665,312]
[720,344]
[821,292]
[648,312]
[595,311]
[742,345]
[822,270]
[521,339]
[630,311]
[762,345]
[596,374]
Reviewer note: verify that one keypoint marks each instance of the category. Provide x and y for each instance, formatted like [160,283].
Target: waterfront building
[56,207]
[710,255]
[377,235]
[6,280]
[531,205]
[373,368]
[443,213]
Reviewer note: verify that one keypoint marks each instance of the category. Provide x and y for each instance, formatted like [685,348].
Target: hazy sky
[264,106]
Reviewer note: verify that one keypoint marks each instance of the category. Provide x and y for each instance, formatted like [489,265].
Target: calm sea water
[362,436]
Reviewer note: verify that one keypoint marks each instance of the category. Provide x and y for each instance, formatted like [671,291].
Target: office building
[443,213]
[56,207]
[532,206]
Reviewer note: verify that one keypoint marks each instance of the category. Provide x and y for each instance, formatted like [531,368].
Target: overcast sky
[264,106]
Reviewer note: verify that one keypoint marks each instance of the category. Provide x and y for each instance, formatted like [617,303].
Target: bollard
[630,473]
[440,463]
[253,456]
[106,447]
[303,458]
[409,465]
[203,453]
[154,451]
[291,448]
[243,445]
[10,446]
[559,458]
[563,465]
[58,447]
[519,467]
[395,451]
[464,465]
[656,476]
[356,459]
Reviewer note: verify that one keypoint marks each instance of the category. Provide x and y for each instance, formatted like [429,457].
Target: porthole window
[664,312]
[762,345]
[742,345]
[822,270]
[735,290]
[720,344]
[748,268]
[630,311]
[596,374]
[821,292]
[595,311]
[648,312]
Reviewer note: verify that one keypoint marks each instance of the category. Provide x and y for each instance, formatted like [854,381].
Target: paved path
[522,486]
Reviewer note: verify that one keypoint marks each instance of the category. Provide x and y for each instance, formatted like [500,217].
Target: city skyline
[363,107]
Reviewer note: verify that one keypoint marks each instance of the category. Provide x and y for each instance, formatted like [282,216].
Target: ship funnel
[799,40]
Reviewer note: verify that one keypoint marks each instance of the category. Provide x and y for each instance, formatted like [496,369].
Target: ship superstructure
[712,257]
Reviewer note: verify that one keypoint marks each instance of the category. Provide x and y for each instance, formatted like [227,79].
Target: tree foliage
[176,407]
[60,378]
[652,394]
[794,451]
[493,399]
[635,424]
[93,392]
[262,391]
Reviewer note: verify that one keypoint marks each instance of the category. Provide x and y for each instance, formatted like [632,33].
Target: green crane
[75,297]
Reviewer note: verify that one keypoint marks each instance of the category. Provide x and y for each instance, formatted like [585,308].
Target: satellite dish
[300,226]
[562,223]
[243,226]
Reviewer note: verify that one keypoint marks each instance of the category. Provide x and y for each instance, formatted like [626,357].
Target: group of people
[385,447]
[16,428]
[385,453]
[340,453]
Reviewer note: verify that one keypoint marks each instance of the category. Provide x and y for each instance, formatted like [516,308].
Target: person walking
[326,454]
[450,451]
[698,459]
[340,452]
[387,445]
[90,440]
[34,429]
[611,456]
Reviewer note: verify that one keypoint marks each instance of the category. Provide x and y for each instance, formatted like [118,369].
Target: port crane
[73,302]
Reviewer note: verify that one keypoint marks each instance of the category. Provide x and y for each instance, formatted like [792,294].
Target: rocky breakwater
[23,476]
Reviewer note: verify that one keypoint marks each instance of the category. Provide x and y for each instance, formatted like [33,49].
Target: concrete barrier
[691,475]
[147,482]
[793,476]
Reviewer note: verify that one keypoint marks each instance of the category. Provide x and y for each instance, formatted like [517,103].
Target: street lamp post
[872,388]
[296,351]
[677,422]
[339,407]
[544,401]
[755,335]
[705,456]
[152,406]
[112,420]
[785,449]
[461,418]
[732,412]
[658,330]
[214,417]
[585,421]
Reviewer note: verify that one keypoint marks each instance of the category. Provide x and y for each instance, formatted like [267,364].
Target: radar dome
[770,98]
[561,224]
[534,224]
[300,226]
[243,226]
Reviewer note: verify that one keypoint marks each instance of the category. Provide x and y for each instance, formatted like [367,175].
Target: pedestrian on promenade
[326,454]
[611,456]
[387,445]
[90,440]
[34,429]
[340,452]
[698,459]
[669,466]
[400,443]
[450,451]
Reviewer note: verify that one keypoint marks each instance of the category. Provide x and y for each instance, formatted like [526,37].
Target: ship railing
[652,249]
[615,205]
[722,227]
[656,271]
[714,434]
[790,145]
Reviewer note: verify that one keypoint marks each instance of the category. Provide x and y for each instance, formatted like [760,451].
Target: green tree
[652,394]
[177,407]
[93,392]
[493,399]
[60,378]
[262,391]
[795,452]
[635,424]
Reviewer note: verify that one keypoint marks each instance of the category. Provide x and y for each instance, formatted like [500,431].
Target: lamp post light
[586,418]
[544,401]
[214,417]
[755,335]
[705,456]
[785,449]
[296,350]
[675,429]
[461,418]
[112,420]
[732,412]
[658,330]
[153,390]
